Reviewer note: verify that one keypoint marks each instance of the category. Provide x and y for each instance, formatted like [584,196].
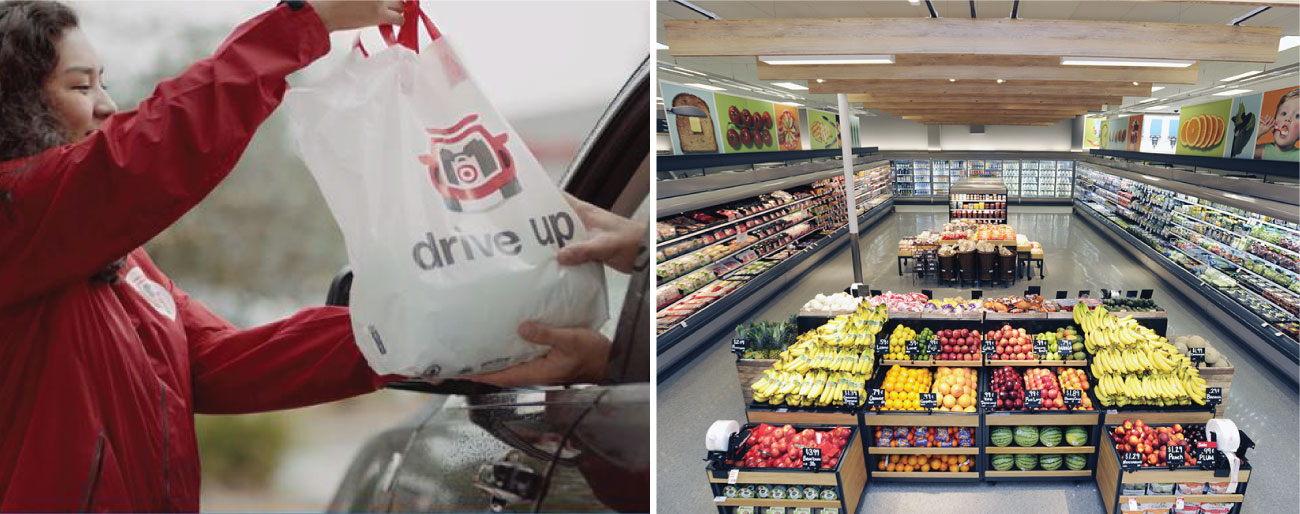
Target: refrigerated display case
[1248,257]
[903,181]
[981,200]
[1036,180]
[1011,177]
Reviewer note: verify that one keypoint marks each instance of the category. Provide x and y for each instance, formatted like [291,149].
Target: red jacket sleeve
[69,211]
[305,359]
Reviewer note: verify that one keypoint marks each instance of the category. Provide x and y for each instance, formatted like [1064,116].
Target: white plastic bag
[451,224]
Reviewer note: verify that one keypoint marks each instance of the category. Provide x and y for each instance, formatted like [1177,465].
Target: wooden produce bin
[786,415]
[1064,420]
[1110,480]
[749,371]
[935,321]
[1159,415]
[1033,323]
[849,478]
[1218,376]
[871,420]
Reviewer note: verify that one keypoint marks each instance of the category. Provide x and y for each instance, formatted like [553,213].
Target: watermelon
[1050,436]
[1002,462]
[1050,462]
[1026,462]
[1001,436]
[1076,436]
[1026,435]
[1076,461]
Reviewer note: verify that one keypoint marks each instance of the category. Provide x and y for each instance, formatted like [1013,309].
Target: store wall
[891,133]
[1052,138]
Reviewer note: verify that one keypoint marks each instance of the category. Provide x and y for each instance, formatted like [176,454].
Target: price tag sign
[732,476]
[1205,454]
[738,346]
[912,347]
[932,347]
[876,398]
[1131,462]
[1033,398]
[1197,355]
[1175,456]
[882,347]
[988,400]
[1040,346]
[989,347]
[1213,396]
[812,458]
[851,399]
[929,400]
[1072,398]
[1065,348]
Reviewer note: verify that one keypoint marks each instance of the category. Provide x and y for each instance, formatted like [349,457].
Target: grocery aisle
[1076,257]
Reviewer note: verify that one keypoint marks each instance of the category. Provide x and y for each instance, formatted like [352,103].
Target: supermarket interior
[1044,259]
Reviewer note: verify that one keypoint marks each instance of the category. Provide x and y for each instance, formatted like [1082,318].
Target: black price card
[1213,396]
[1065,348]
[1072,398]
[1205,454]
[1175,456]
[988,400]
[912,347]
[851,399]
[882,347]
[1041,346]
[929,400]
[738,346]
[1130,462]
[932,347]
[812,458]
[1197,355]
[989,346]
[1033,398]
[876,398]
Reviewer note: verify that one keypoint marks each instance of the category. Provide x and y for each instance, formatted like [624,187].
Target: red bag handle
[408,34]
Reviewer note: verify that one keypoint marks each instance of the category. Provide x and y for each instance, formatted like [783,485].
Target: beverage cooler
[980,200]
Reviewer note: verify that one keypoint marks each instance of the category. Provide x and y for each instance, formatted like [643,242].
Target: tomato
[767,119]
[733,138]
[746,118]
[746,137]
[734,114]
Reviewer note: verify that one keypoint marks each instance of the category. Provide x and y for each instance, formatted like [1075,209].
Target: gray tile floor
[1076,257]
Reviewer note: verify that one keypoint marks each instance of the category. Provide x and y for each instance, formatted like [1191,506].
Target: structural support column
[850,188]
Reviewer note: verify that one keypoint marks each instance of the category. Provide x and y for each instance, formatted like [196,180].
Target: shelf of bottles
[1024,178]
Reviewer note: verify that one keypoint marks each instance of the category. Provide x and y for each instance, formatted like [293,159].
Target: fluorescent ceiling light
[914,2]
[952,80]
[660,46]
[790,85]
[827,59]
[706,86]
[1288,42]
[1135,83]
[819,81]
[1241,76]
[1109,61]
[1231,92]
[791,104]
[1159,108]
[1149,100]
[1156,88]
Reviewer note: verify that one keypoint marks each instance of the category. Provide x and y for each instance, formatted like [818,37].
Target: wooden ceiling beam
[970,67]
[867,99]
[985,36]
[922,89]
[1057,115]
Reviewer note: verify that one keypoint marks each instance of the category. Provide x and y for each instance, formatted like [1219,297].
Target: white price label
[732,476]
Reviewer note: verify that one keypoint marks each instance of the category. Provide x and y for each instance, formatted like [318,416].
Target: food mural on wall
[1134,136]
[691,134]
[1158,133]
[1117,135]
[787,128]
[823,130]
[1242,126]
[747,124]
[1092,133]
[1201,129]
[1279,125]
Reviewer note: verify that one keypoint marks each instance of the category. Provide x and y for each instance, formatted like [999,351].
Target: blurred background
[264,244]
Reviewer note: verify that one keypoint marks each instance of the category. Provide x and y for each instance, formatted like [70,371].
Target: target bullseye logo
[469,166]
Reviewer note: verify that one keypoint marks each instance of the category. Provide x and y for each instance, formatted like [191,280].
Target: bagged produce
[451,224]
[1217,488]
[1188,508]
[1132,489]
[1157,508]
[1190,488]
[1216,508]
[1160,488]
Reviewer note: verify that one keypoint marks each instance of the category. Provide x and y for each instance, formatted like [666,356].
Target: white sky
[529,57]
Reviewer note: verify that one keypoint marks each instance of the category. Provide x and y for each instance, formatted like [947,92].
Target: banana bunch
[815,388]
[823,363]
[1134,365]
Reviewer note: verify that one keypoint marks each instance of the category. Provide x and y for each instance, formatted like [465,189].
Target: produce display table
[1111,479]
[1039,420]
[889,419]
[848,480]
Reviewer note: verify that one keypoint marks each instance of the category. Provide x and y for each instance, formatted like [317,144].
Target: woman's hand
[578,355]
[615,241]
[355,14]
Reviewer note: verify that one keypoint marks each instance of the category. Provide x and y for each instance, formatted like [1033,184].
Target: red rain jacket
[99,383]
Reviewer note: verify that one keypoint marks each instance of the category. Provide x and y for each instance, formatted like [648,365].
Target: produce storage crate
[935,321]
[1158,415]
[1033,323]
[1064,419]
[1111,478]
[1221,377]
[891,419]
[848,478]
[749,371]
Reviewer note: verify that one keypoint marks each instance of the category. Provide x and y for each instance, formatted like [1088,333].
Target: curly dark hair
[29,33]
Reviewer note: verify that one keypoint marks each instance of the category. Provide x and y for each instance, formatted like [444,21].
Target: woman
[103,360]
